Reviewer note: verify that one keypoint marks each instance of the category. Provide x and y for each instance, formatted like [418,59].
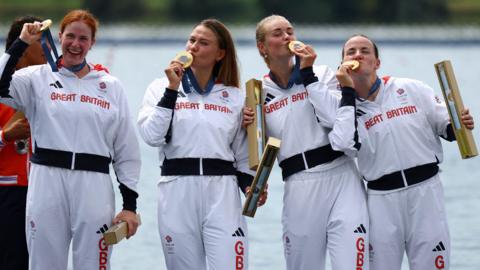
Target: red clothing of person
[13,166]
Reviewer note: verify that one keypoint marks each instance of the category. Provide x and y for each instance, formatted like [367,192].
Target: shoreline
[324,35]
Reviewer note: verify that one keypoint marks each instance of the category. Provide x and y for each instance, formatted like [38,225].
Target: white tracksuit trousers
[410,220]
[322,211]
[201,224]
[64,206]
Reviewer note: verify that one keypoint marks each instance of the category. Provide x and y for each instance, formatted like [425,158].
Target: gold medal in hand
[295,45]
[353,64]
[185,58]
[45,25]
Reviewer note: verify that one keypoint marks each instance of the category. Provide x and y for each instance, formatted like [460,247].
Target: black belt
[313,158]
[197,166]
[413,176]
[64,159]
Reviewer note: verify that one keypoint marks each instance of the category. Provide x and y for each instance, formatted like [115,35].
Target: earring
[265,56]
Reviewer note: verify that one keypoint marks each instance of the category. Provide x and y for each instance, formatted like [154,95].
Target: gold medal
[353,64]
[295,45]
[45,25]
[185,58]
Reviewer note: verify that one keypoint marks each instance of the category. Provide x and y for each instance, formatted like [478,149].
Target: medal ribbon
[294,77]
[189,81]
[374,87]
[47,39]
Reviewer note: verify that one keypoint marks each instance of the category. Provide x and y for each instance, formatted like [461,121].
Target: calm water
[137,66]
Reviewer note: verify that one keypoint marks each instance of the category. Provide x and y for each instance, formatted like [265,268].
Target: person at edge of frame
[80,123]
[394,125]
[14,153]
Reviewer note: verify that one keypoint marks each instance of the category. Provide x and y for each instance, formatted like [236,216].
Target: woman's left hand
[467,119]
[263,197]
[307,56]
[131,219]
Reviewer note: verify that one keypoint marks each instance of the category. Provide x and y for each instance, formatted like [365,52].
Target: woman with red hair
[80,122]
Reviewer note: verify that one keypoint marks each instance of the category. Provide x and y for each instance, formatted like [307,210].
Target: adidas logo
[56,84]
[268,98]
[238,233]
[439,247]
[360,112]
[181,94]
[103,229]
[360,229]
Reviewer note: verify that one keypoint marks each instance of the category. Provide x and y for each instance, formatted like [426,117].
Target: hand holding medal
[305,54]
[352,64]
[31,31]
[45,25]
[296,45]
[176,69]
[185,58]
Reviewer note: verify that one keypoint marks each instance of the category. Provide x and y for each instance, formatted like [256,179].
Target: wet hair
[16,28]
[375,48]
[226,70]
[80,15]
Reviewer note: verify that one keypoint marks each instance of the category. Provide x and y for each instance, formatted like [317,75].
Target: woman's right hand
[248,116]
[174,74]
[31,32]
[344,77]
[307,56]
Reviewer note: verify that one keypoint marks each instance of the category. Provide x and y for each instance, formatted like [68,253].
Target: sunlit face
[203,45]
[76,40]
[361,49]
[278,33]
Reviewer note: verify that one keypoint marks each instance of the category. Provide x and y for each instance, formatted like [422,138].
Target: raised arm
[156,115]
[321,86]
[344,135]
[15,89]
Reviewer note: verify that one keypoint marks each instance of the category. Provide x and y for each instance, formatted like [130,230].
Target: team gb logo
[102,87]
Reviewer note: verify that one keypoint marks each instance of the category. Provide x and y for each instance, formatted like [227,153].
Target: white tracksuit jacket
[203,126]
[88,115]
[397,131]
[72,120]
[288,114]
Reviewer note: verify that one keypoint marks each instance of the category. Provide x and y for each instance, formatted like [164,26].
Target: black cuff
[129,198]
[169,98]
[308,77]
[348,97]
[450,134]
[17,48]
[244,180]
[15,51]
